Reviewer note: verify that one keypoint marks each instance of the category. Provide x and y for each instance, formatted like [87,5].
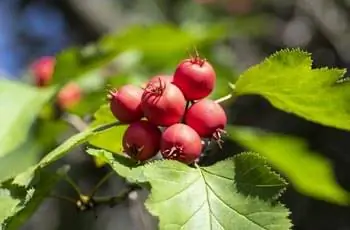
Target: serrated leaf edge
[269,167]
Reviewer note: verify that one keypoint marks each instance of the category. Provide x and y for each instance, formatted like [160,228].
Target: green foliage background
[240,192]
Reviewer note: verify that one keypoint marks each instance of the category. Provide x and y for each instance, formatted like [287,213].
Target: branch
[115,200]
[75,121]
[107,126]
[101,182]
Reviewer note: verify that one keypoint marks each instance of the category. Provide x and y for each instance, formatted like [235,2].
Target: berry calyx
[195,77]
[69,96]
[163,103]
[167,78]
[42,70]
[125,103]
[141,140]
[180,142]
[207,118]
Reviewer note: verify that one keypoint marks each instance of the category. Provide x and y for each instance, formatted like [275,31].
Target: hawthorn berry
[195,77]
[69,96]
[180,142]
[42,70]
[125,103]
[141,140]
[163,103]
[207,118]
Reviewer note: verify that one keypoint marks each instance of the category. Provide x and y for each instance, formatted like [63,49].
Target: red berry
[69,95]
[141,140]
[42,70]
[163,103]
[180,142]
[195,77]
[207,118]
[125,103]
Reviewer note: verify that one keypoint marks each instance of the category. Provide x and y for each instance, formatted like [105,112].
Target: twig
[65,198]
[73,184]
[101,182]
[114,200]
[75,121]
[107,126]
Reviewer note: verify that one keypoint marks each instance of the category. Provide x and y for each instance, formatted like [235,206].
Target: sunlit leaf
[238,193]
[289,82]
[110,139]
[20,106]
[309,172]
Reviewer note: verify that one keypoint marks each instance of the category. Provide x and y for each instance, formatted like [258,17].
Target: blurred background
[233,34]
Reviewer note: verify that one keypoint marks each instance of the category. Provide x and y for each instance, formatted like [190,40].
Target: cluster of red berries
[42,70]
[178,105]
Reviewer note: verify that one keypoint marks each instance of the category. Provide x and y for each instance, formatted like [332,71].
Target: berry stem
[65,198]
[224,98]
[72,183]
[196,165]
[232,86]
[114,200]
[188,103]
[100,183]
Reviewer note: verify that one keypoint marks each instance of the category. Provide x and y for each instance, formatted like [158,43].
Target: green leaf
[259,179]
[122,165]
[288,81]
[66,146]
[308,171]
[215,197]
[20,105]
[111,139]
[8,203]
[74,141]
[208,198]
[148,40]
[59,152]
[162,42]
[20,159]
[75,62]
[30,152]
[20,203]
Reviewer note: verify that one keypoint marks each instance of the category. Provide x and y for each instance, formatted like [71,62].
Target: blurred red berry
[43,70]
[69,96]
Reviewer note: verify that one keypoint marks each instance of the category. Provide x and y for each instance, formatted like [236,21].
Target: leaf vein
[179,192]
[217,175]
[233,209]
[194,213]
